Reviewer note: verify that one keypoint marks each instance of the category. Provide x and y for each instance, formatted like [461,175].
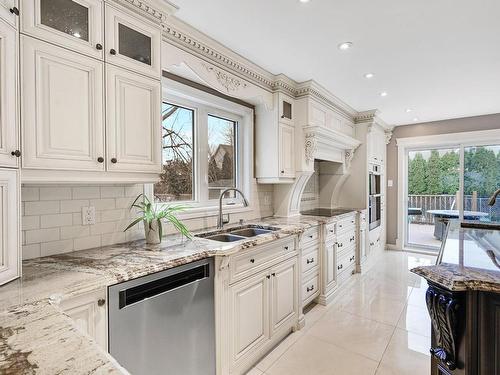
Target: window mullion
[202,158]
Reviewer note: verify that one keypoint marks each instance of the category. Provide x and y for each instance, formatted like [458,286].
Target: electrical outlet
[88,215]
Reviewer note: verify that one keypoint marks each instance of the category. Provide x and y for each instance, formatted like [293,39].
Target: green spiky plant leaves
[151,212]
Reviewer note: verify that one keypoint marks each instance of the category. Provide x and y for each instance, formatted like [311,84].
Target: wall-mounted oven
[374,211]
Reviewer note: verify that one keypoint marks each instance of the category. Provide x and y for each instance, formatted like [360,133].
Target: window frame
[204,104]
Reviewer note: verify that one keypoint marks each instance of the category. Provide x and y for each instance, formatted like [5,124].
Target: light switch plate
[88,215]
[389,183]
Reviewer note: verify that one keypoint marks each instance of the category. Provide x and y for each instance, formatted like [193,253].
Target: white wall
[52,216]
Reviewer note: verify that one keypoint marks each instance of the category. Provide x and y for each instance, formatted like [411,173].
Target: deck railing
[427,202]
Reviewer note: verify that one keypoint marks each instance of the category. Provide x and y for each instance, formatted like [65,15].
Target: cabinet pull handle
[282,172]
[331,230]
[273,274]
[252,260]
[113,160]
[100,159]
[308,261]
[311,236]
[268,276]
[101,302]
[14,10]
[286,247]
[16,153]
[112,51]
[310,289]
[98,46]
[339,267]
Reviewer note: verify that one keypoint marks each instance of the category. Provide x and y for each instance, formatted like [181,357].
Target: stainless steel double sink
[237,233]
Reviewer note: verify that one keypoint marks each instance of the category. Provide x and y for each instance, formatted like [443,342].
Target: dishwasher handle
[153,288]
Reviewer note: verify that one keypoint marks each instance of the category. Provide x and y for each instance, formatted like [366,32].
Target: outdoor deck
[422,234]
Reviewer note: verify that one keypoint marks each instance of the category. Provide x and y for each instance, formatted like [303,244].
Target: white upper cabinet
[9,11]
[133,122]
[9,225]
[376,146]
[62,104]
[73,24]
[132,43]
[286,150]
[9,128]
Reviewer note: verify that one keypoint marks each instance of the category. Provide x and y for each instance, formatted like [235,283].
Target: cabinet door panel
[132,43]
[9,225]
[73,24]
[89,316]
[250,315]
[6,13]
[133,127]
[63,125]
[286,152]
[284,292]
[9,127]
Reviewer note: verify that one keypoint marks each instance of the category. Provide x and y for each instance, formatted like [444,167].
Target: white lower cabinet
[10,266]
[249,314]
[258,311]
[63,108]
[133,122]
[89,314]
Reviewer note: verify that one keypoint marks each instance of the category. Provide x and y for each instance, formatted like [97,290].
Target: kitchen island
[463,300]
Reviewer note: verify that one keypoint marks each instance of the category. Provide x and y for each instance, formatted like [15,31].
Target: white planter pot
[152,235]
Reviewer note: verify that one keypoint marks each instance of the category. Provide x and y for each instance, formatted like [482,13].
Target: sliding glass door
[452,182]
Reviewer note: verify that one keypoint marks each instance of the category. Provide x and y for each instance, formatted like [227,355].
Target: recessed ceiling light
[304,1]
[415,119]
[369,75]
[344,46]
[383,93]
[408,110]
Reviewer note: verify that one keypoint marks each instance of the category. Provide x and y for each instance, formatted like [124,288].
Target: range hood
[328,144]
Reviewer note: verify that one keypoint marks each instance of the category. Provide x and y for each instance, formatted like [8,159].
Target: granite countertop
[469,259]
[32,325]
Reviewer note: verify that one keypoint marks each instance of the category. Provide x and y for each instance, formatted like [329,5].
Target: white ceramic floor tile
[254,371]
[351,332]
[415,319]
[279,350]
[312,356]
[406,354]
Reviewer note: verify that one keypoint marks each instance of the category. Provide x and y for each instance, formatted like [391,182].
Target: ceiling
[440,58]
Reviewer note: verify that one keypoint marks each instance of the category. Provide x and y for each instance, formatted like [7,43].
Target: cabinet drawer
[310,236]
[310,288]
[254,259]
[310,259]
[346,240]
[344,276]
[345,261]
[346,224]
[330,232]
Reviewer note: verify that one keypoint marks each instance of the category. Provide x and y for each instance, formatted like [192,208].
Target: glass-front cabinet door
[132,43]
[73,24]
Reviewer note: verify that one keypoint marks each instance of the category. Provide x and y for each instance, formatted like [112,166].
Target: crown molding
[373,117]
[155,10]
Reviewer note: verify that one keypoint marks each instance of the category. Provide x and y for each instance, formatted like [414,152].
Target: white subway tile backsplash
[30,222]
[74,205]
[87,242]
[112,191]
[52,217]
[103,204]
[41,235]
[86,192]
[76,231]
[50,193]
[56,247]
[56,220]
[29,193]
[41,207]
[31,251]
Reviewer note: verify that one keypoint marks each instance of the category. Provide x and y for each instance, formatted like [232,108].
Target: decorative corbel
[388,136]
[349,155]
[229,82]
[310,146]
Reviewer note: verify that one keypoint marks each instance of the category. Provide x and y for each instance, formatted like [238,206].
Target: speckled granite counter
[469,260]
[36,337]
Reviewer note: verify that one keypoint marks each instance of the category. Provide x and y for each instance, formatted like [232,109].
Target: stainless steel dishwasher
[164,323]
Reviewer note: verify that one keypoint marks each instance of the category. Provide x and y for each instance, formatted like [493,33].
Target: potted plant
[152,215]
